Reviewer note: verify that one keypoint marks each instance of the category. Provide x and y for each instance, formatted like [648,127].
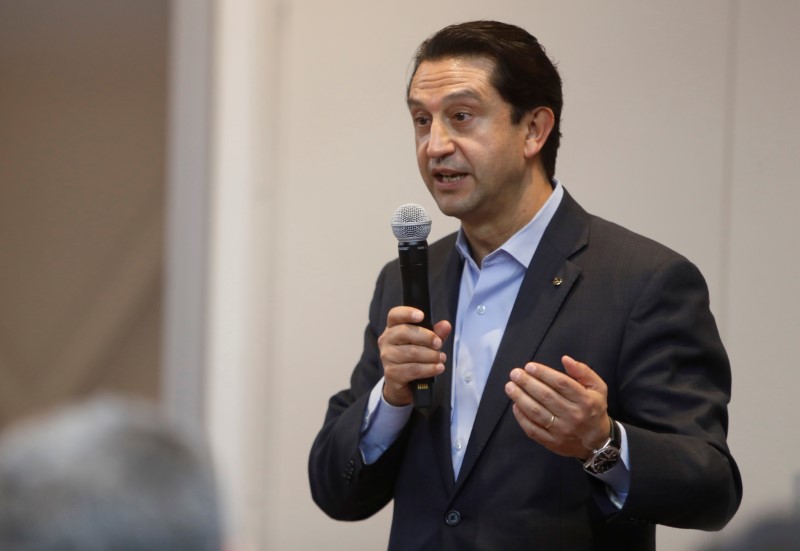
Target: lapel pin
[557,281]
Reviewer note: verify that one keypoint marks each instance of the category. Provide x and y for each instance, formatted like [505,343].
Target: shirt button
[452,518]
[468,376]
[481,309]
[458,445]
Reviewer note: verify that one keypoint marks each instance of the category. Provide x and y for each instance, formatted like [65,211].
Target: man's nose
[440,142]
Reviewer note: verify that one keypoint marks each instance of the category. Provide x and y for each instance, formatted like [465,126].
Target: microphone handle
[414,276]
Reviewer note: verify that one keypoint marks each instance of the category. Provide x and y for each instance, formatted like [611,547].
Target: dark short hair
[524,75]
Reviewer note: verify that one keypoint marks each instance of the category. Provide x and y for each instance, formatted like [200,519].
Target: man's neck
[486,236]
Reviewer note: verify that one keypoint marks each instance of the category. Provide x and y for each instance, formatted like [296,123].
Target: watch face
[605,459]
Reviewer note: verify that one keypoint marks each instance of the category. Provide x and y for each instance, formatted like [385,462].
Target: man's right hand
[409,352]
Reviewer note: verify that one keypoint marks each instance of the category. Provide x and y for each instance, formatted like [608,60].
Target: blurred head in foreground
[105,474]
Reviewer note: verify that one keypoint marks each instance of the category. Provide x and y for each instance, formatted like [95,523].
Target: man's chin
[455,209]
[455,203]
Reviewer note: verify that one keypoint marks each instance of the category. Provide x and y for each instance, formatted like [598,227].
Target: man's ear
[539,122]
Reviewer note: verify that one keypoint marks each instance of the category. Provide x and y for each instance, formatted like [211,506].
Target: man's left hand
[566,413]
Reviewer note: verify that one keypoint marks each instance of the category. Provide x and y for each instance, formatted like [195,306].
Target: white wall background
[680,122]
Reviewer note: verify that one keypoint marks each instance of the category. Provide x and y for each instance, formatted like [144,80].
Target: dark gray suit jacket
[634,311]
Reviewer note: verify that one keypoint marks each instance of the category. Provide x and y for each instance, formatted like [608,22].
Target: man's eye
[461,117]
[421,121]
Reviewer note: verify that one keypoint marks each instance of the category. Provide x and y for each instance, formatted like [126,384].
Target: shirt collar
[522,245]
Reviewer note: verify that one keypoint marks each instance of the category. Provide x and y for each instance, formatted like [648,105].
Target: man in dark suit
[581,385]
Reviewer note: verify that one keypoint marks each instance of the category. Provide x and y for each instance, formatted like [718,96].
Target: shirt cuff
[618,479]
[381,425]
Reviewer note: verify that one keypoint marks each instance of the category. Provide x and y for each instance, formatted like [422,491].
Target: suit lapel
[544,288]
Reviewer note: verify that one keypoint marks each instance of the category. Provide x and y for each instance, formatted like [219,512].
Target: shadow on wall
[775,532]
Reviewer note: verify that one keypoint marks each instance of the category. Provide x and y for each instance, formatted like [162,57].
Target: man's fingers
[443,329]
[531,428]
[583,374]
[404,314]
[549,383]
[529,406]
[411,355]
[401,329]
[405,334]
[409,352]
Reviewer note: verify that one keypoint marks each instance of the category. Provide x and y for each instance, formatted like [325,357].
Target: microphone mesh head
[411,223]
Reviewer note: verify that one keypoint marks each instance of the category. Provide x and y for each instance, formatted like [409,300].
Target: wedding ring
[550,423]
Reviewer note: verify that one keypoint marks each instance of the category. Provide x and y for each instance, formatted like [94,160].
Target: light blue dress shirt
[486,297]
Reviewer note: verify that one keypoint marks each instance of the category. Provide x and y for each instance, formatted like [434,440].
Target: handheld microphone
[411,226]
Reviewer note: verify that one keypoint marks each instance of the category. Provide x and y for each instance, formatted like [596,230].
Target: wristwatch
[606,456]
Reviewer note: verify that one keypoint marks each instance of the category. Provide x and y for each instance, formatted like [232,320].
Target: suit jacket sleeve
[673,387]
[341,484]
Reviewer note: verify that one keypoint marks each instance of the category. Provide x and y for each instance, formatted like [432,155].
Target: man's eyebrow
[466,93]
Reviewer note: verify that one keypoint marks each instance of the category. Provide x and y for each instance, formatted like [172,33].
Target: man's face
[470,154]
